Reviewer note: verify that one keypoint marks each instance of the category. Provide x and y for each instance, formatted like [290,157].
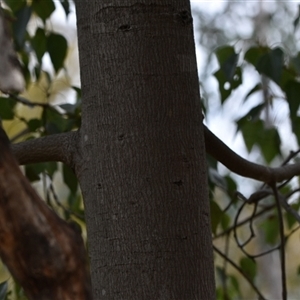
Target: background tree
[256,115]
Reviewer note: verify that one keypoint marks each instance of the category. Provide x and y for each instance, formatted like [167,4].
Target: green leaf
[290,219]
[252,115]
[250,131]
[286,76]
[231,189]
[15,5]
[226,87]
[231,184]
[228,61]
[249,267]
[50,168]
[34,124]
[39,43]
[57,47]
[269,142]
[225,221]
[7,108]
[70,179]
[32,172]
[295,62]
[43,8]
[221,274]
[266,61]
[235,284]
[69,108]
[19,26]
[55,122]
[254,54]
[271,64]
[267,139]
[292,90]
[270,229]
[216,215]
[229,75]
[296,127]
[75,203]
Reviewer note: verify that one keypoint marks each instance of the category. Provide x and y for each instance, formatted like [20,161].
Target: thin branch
[257,196]
[56,147]
[19,135]
[243,222]
[26,102]
[291,156]
[241,271]
[282,242]
[237,164]
[225,289]
[59,204]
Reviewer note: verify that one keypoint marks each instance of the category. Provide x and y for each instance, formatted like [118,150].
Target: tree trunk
[43,252]
[141,164]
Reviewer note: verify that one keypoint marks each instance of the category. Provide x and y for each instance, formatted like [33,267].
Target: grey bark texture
[141,162]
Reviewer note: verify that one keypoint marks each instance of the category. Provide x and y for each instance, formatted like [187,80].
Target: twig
[66,210]
[241,223]
[216,148]
[27,102]
[282,241]
[241,271]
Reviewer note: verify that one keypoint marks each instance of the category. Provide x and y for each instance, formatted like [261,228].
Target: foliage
[236,221]
[250,229]
[37,112]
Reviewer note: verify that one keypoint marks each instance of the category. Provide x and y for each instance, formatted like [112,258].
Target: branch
[43,252]
[241,271]
[282,242]
[216,148]
[56,147]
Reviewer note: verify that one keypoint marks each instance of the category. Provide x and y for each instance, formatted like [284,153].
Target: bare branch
[237,164]
[282,242]
[241,272]
[56,147]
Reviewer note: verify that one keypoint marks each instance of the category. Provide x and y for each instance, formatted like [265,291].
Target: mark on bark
[184,17]
[121,137]
[178,183]
[125,27]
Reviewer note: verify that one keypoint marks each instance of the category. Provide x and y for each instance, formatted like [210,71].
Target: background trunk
[142,168]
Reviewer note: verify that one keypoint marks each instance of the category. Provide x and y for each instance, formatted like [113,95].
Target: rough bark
[143,170]
[43,253]
[57,147]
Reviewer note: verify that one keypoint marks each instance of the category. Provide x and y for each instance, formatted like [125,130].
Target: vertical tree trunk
[142,169]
